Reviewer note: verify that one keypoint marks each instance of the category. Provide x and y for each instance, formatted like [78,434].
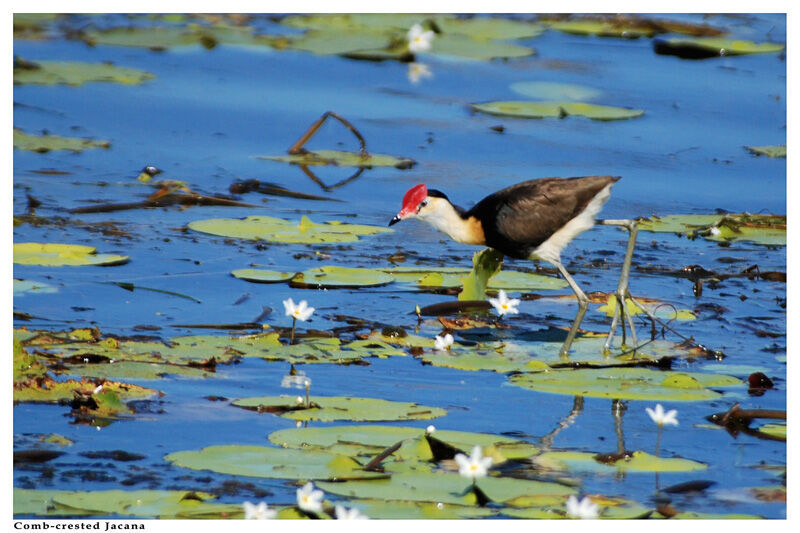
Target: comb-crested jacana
[534,219]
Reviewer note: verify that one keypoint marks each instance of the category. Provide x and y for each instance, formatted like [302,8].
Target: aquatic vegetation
[47,143]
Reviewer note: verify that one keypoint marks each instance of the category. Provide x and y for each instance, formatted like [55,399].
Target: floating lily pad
[773,430]
[25,365]
[400,510]
[262,276]
[371,440]
[34,253]
[442,487]
[483,27]
[531,109]
[340,277]
[343,159]
[280,230]
[760,229]
[328,409]
[163,38]
[23,287]
[658,309]
[46,143]
[484,360]
[280,463]
[546,90]
[121,502]
[46,390]
[628,383]
[331,42]
[635,462]
[694,515]
[601,28]
[705,47]
[549,507]
[135,370]
[462,46]
[75,73]
[769,151]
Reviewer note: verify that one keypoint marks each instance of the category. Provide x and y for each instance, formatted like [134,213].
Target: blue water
[208,114]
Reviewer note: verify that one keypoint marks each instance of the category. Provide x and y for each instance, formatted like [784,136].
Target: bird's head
[422,203]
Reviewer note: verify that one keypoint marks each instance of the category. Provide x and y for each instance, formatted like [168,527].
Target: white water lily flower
[503,304]
[419,40]
[416,73]
[663,418]
[258,512]
[475,465]
[349,514]
[584,509]
[443,343]
[310,500]
[98,389]
[430,429]
[300,311]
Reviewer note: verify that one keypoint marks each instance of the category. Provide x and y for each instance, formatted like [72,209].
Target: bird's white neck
[442,215]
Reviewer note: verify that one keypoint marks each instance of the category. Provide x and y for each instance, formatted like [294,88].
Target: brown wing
[521,217]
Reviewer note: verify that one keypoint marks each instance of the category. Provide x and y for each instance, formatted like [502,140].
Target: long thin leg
[583,305]
[623,292]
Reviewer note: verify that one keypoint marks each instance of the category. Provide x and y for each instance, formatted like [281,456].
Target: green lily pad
[441,487]
[484,360]
[759,229]
[25,365]
[371,440]
[34,253]
[264,462]
[46,390]
[462,46]
[704,47]
[601,28]
[280,230]
[46,143]
[773,430]
[331,276]
[135,370]
[531,109]
[546,90]
[658,309]
[379,22]
[769,151]
[332,42]
[330,408]
[40,503]
[262,276]
[112,502]
[484,27]
[23,287]
[625,384]
[163,38]
[400,510]
[75,73]
[343,159]
[636,462]
[549,507]
[694,515]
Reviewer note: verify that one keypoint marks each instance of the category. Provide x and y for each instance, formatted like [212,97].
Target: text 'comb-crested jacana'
[534,219]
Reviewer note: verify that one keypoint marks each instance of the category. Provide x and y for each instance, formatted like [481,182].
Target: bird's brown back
[519,218]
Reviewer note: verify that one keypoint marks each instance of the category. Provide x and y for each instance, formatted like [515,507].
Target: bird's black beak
[395,220]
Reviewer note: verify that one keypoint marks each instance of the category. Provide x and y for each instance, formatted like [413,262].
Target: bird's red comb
[414,196]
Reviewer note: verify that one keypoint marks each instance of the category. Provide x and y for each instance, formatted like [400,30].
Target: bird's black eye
[423,203]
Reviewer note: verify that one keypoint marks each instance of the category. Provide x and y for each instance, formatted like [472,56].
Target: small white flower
[349,514]
[300,311]
[299,399]
[715,230]
[310,500]
[299,381]
[584,509]
[258,512]
[430,429]
[418,39]
[98,389]
[416,73]
[663,418]
[503,304]
[475,465]
[443,343]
